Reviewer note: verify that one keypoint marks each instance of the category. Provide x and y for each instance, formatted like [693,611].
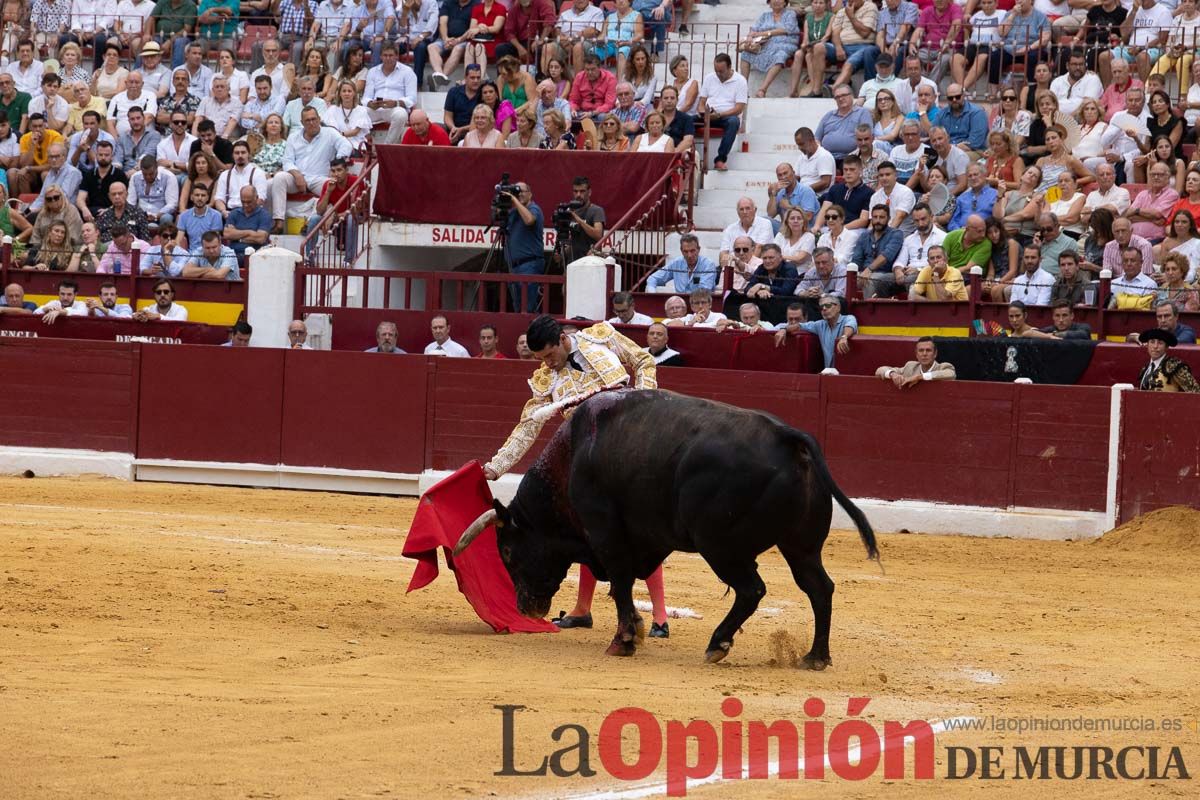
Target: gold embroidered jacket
[1172,375]
[604,354]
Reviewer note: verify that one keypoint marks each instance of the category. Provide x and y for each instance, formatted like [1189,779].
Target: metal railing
[638,241]
[329,290]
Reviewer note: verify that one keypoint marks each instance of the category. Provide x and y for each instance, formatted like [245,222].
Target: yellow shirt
[952,282]
[40,154]
[75,112]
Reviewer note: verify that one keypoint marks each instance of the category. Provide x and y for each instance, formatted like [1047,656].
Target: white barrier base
[277,476]
[54,462]
[886,516]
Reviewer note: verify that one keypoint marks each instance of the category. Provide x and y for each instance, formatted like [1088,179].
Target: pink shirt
[112,257]
[1113,99]
[1164,201]
[937,26]
[1112,255]
[600,96]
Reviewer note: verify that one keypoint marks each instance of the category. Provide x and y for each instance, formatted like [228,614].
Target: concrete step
[727,199]
[742,181]
[744,15]
[770,143]
[715,218]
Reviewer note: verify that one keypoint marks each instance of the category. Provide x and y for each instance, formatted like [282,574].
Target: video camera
[502,199]
[563,214]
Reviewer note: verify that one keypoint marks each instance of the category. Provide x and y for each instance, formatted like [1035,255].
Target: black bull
[634,476]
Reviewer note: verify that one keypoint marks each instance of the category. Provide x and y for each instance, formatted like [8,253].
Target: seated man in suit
[925,368]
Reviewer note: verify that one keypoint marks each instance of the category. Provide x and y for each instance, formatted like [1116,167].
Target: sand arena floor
[171,641]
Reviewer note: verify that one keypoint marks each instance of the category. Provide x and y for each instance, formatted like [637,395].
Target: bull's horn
[477,527]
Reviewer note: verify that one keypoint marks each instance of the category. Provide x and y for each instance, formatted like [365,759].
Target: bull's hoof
[621,648]
[717,653]
[814,662]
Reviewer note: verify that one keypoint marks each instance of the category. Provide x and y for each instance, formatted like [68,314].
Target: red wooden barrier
[1060,451]
[354,328]
[211,404]
[354,411]
[1159,452]
[109,330]
[69,394]
[707,349]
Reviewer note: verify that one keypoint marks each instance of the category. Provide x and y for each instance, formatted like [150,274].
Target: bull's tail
[817,457]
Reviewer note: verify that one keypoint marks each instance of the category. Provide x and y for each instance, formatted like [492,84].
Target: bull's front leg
[631,630]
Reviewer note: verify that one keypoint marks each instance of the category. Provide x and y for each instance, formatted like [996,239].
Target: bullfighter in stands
[1164,373]
[573,367]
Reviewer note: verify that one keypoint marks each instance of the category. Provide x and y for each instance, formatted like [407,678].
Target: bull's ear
[502,516]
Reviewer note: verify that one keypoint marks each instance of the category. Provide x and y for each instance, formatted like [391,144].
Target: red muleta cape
[444,513]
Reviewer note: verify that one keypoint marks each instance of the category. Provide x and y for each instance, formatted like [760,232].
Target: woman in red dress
[487,20]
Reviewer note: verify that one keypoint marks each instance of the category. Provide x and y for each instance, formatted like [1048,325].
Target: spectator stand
[214,302]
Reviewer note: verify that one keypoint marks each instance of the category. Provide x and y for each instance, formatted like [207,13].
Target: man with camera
[524,242]
[581,220]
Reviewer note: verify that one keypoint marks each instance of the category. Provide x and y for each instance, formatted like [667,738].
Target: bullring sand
[175,641]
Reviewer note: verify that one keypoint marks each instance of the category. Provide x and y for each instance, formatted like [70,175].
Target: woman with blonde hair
[483,131]
[796,243]
[1012,119]
[1018,208]
[70,68]
[269,155]
[655,139]
[348,116]
[610,138]
[526,136]
[55,252]
[1096,136]
[1184,295]
[1002,162]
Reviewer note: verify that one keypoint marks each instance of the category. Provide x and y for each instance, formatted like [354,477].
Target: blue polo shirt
[194,226]
[458,16]
[972,202]
[801,196]
[260,220]
[829,335]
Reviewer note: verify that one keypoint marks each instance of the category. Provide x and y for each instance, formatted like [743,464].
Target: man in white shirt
[227,193]
[702,315]
[164,305]
[305,162]
[577,26]
[155,190]
[26,71]
[748,223]
[442,344]
[906,89]
[175,149]
[66,304]
[107,305]
[390,93]
[50,103]
[1106,195]
[1144,32]
[724,92]
[91,21]
[624,313]
[815,166]
[1033,285]
[1077,85]
[1132,122]
[274,69]
[914,251]
[134,96]
[130,22]
[899,199]
[331,16]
